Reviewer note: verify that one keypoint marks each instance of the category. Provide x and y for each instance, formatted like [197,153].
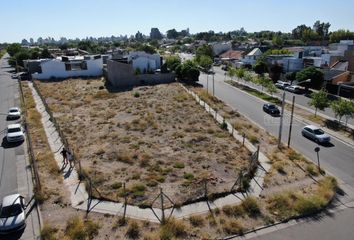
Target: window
[76,66]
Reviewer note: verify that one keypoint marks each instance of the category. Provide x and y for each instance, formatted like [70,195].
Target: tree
[45,53]
[146,48]
[275,71]
[13,48]
[271,88]
[260,67]
[204,50]
[341,108]
[319,100]
[340,35]
[172,34]
[231,72]
[312,73]
[240,72]
[291,76]
[188,71]
[172,62]
[322,29]
[205,62]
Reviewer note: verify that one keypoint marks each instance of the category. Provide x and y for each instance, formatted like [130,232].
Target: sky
[21,19]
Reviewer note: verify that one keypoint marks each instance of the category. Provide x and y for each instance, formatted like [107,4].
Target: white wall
[56,68]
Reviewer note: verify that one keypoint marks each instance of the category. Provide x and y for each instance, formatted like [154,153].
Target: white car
[15,133]
[12,214]
[316,134]
[281,84]
[14,113]
[294,89]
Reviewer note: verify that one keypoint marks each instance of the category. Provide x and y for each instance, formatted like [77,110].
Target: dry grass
[149,131]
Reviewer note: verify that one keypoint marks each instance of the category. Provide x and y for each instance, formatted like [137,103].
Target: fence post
[257,153]
[216,114]
[162,207]
[243,140]
[205,190]
[125,202]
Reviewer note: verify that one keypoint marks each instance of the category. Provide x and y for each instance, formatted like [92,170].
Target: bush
[133,231]
[196,221]
[306,206]
[136,94]
[250,205]
[116,185]
[178,165]
[173,228]
[75,229]
[233,211]
[48,233]
[233,227]
[311,169]
[188,176]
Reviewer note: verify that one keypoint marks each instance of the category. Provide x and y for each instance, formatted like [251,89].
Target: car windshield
[12,130]
[10,211]
[13,111]
[318,131]
[272,106]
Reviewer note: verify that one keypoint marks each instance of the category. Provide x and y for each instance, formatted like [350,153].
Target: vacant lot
[148,137]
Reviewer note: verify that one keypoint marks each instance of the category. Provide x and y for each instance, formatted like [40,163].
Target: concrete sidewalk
[80,199]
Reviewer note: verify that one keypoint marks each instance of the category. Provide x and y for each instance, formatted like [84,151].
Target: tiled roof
[232,54]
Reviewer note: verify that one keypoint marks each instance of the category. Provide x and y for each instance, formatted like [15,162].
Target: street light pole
[281,120]
[291,120]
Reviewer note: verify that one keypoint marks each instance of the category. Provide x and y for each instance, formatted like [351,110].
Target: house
[252,56]
[144,62]
[232,55]
[69,66]
[219,48]
[138,68]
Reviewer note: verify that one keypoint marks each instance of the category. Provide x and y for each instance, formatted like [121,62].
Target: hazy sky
[80,18]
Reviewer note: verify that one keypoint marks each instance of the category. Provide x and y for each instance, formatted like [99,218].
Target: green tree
[316,76]
[240,72]
[22,55]
[231,72]
[188,71]
[341,34]
[342,108]
[204,50]
[260,68]
[291,76]
[319,100]
[146,48]
[205,62]
[172,62]
[271,88]
[14,48]
[45,53]
[322,29]
[172,34]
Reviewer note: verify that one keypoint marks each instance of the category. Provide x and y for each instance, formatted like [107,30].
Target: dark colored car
[271,109]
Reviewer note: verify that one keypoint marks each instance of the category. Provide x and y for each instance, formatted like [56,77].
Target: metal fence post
[125,202]
[162,207]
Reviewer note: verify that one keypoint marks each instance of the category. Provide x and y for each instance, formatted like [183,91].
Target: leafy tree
[45,53]
[322,29]
[188,71]
[146,48]
[172,34]
[248,77]
[312,73]
[341,108]
[22,55]
[341,34]
[240,72]
[271,88]
[14,48]
[204,50]
[205,62]
[319,100]
[275,71]
[172,62]
[291,76]
[278,41]
[260,68]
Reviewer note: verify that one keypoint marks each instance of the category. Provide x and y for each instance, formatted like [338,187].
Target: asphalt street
[15,174]
[336,158]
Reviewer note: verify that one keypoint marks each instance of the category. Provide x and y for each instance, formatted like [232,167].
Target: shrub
[136,94]
[75,228]
[48,232]
[196,221]
[281,204]
[233,211]
[250,205]
[116,185]
[178,165]
[133,231]
[233,227]
[253,139]
[223,125]
[279,166]
[138,190]
[311,169]
[305,206]
[188,176]
[173,228]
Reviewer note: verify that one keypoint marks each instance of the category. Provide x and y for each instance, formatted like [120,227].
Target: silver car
[12,214]
[316,134]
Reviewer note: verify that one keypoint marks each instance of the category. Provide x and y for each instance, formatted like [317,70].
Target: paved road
[15,176]
[337,158]
[300,98]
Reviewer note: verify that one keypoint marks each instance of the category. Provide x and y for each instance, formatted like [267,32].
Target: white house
[65,67]
[252,56]
[144,62]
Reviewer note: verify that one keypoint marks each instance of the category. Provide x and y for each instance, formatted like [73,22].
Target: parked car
[316,134]
[14,133]
[281,84]
[14,113]
[14,76]
[271,109]
[294,89]
[12,214]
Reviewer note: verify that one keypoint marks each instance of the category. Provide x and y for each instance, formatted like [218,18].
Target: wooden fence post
[162,207]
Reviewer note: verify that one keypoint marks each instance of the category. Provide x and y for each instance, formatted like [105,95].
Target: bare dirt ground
[148,137]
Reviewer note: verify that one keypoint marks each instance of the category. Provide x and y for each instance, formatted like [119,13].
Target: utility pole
[291,120]
[213,82]
[281,120]
[207,83]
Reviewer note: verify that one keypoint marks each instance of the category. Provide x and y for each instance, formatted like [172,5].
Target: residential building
[220,47]
[144,62]
[252,56]
[70,66]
